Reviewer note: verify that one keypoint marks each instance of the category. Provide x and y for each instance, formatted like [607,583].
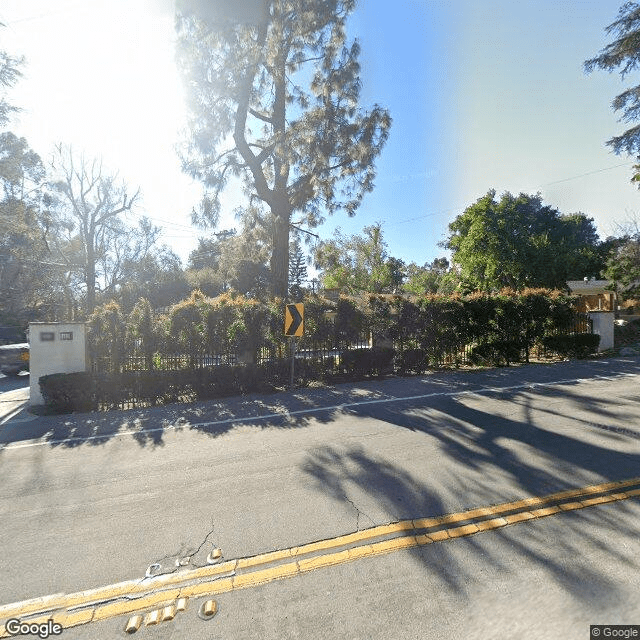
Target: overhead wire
[546,184]
[75,6]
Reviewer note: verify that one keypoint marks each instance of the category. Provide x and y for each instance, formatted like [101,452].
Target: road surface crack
[178,561]
[359,513]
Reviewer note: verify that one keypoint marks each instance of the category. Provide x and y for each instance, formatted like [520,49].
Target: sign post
[293,362]
[293,328]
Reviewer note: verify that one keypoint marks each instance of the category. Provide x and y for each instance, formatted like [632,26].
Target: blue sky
[489,94]
[483,94]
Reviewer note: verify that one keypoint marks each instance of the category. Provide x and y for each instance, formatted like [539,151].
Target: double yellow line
[124,598]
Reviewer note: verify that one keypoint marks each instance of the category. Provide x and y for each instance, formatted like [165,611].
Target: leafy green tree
[9,74]
[188,329]
[209,250]
[24,255]
[582,252]
[29,288]
[623,266]
[623,54]
[230,261]
[107,334]
[157,276]
[144,331]
[274,94]
[518,242]
[434,277]
[359,263]
[21,169]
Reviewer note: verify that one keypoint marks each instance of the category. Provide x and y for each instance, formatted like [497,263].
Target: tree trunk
[280,257]
[281,214]
[281,205]
[91,281]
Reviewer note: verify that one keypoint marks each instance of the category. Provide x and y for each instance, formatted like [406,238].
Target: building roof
[589,287]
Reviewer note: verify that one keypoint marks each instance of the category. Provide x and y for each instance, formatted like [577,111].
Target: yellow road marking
[165,590]
[122,607]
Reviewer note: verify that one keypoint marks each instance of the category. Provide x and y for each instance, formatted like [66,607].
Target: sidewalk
[220,416]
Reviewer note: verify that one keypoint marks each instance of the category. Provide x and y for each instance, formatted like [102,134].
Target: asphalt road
[93,499]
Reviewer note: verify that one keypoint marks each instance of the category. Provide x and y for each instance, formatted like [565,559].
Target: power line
[46,14]
[428,215]
[589,173]
[546,184]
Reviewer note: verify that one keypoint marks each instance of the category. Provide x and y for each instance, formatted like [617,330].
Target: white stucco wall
[55,354]
[603,325]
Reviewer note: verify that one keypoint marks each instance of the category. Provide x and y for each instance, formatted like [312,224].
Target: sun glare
[110,78]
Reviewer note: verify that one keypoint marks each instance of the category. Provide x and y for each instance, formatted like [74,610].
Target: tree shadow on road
[285,410]
[477,458]
[488,459]
[399,495]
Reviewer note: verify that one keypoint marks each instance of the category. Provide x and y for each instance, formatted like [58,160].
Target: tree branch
[260,116]
[248,156]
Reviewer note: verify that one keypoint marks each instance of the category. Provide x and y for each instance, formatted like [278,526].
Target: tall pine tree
[623,54]
[297,271]
[273,90]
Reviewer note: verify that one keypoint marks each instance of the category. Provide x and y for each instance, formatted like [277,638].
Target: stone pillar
[603,326]
[57,347]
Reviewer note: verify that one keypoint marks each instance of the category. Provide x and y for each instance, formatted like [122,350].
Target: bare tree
[90,205]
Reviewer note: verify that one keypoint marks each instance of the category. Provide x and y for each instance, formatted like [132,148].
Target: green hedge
[371,361]
[412,360]
[496,352]
[65,393]
[498,329]
[580,345]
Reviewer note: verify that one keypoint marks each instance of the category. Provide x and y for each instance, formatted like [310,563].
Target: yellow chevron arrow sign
[294,320]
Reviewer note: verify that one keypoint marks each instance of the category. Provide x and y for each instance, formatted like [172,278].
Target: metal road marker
[172,590]
[208,609]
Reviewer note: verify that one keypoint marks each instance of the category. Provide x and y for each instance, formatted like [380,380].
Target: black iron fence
[327,356]
[162,362]
[195,349]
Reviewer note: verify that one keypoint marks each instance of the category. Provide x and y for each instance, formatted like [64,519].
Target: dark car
[14,358]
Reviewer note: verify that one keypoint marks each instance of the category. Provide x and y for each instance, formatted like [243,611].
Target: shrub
[373,361]
[382,359]
[586,344]
[187,325]
[67,392]
[350,323]
[415,360]
[144,332]
[107,331]
[627,334]
[579,345]
[495,352]
[445,327]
